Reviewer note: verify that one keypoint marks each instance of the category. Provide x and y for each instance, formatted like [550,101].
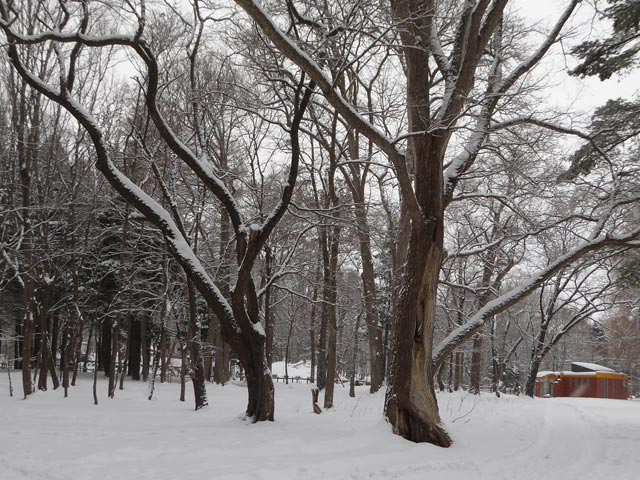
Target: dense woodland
[196,189]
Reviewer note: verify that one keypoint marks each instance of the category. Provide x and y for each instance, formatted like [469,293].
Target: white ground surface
[129,437]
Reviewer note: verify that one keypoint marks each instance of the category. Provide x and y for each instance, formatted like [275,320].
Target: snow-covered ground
[129,437]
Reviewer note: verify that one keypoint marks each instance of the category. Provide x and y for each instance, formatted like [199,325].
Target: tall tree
[238,312]
[451,65]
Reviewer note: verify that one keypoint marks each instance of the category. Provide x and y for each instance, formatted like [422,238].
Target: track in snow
[49,437]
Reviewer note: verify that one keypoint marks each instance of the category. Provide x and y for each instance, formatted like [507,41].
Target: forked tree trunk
[411,405]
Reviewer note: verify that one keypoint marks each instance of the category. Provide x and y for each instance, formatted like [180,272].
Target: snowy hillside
[49,437]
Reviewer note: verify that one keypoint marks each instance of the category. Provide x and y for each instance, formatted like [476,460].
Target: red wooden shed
[583,380]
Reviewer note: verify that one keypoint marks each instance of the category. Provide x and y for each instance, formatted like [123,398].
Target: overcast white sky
[584,94]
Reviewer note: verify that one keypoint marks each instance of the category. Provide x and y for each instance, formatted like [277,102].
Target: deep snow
[129,437]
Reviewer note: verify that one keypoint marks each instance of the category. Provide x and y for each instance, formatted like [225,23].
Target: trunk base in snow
[410,425]
[261,394]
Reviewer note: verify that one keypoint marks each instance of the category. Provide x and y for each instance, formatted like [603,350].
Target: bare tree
[238,313]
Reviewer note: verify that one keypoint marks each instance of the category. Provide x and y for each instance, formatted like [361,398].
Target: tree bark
[354,358]
[411,404]
[476,364]
[374,328]
[194,346]
[268,321]
[134,353]
[330,295]
[259,383]
[145,345]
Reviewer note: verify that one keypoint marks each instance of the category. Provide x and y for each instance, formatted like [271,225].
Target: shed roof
[589,367]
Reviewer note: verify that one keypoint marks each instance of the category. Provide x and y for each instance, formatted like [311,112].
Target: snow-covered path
[49,437]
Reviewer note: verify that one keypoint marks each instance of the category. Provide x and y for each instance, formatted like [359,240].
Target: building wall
[577,387]
[612,388]
[591,386]
[601,385]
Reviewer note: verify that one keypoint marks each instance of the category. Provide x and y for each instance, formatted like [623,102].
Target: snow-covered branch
[503,302]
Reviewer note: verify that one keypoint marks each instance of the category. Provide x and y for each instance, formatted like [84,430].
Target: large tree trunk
[411,405]
[259,384]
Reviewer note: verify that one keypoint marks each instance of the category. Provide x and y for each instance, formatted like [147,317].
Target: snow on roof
[592,366]
[571,373]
